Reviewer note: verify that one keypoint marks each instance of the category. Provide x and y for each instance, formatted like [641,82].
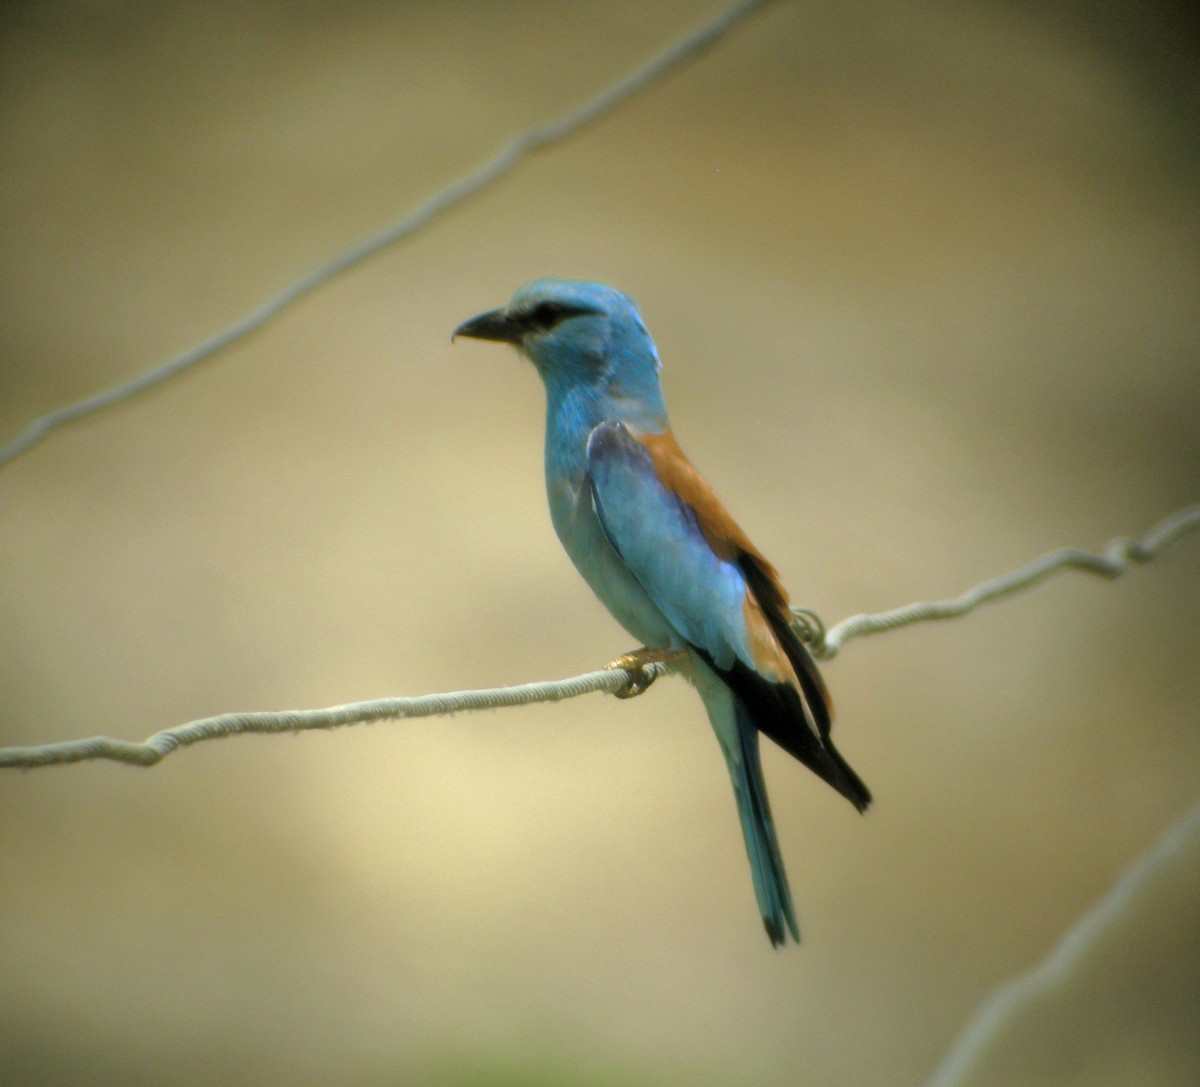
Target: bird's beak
[493,325]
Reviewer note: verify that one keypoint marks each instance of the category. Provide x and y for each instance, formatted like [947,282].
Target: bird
[662,553]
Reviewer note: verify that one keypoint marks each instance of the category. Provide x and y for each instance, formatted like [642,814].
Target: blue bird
[660,551]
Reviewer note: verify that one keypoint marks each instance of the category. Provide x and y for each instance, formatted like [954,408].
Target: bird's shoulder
[653,462]
[661,455]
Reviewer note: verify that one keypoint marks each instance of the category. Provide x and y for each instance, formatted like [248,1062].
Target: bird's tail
[762,847]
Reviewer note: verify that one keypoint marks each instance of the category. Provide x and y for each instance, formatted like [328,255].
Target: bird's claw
[639,666]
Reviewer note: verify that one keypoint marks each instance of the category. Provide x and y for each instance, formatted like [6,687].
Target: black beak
[493,325]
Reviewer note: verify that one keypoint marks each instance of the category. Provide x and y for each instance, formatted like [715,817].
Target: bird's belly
[582,536]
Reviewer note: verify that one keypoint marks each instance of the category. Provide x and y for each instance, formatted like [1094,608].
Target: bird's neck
[573,413]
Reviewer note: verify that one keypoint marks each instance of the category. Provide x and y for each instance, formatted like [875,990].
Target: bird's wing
[715,588]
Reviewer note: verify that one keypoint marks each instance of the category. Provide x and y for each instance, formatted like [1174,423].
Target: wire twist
[1115,559]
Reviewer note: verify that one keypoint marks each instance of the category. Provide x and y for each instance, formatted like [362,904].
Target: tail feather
[740,705]
[762,847]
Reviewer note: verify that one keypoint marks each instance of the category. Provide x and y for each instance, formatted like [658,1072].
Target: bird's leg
[637,663]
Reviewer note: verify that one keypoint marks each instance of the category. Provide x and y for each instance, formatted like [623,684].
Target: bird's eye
[546,315]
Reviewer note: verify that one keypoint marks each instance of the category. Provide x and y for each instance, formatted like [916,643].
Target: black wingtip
[849,784]
[776,710]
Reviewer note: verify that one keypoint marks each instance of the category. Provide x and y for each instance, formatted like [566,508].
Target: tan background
[925,281]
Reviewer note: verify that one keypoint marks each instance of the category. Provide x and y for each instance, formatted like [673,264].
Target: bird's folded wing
[716,590]
[682,546]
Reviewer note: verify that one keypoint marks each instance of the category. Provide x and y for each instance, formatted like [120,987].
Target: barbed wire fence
[1115,559]
[1007,1001]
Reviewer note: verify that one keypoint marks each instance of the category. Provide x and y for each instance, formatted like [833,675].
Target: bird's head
[577,333]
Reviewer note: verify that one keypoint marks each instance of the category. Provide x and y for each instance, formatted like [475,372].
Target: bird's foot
[639,665]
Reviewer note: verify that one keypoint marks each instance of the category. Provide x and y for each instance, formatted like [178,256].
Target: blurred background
[925,281]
